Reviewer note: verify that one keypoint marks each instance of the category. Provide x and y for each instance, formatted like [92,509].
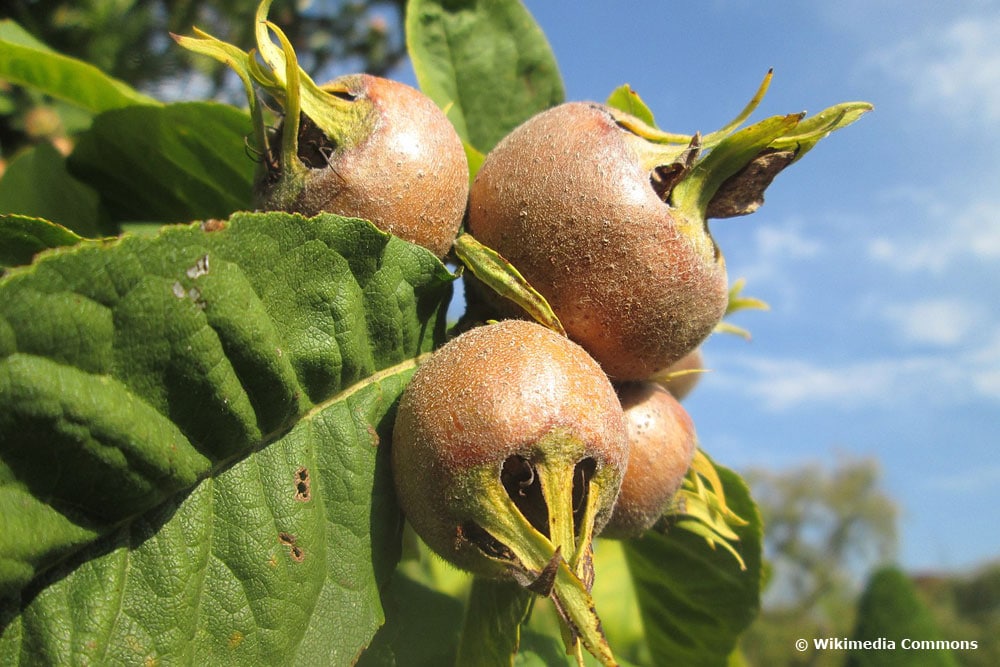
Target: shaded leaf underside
[487,62]
[189,440]
[697,618]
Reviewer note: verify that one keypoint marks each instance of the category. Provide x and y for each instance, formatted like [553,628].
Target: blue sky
[879,252]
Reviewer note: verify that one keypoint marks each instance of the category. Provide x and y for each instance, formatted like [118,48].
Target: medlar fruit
[567,198]
[508,451]
[662,444]
[396,161]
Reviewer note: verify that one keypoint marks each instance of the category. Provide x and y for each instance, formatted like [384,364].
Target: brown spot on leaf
[295,551]
[302,485]
[235,639]
[213,225]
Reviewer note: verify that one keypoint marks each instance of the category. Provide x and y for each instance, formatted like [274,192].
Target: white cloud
[943,322]
[786,241]
[975,479]
[780,384]
[783,383]
[774,246]
[953,69]
[946,233]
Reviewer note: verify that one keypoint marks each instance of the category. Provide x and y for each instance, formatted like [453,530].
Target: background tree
[826,527]
[891,609]
[967,607]
[130,40]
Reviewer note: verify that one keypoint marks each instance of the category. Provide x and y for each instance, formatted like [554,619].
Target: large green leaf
[22,237]
[190,431]
[36,184]
[486,61]
[25,61]
[696,601]
[175,163]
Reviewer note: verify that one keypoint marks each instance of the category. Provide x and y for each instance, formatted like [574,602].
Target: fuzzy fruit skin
[494,392]
[409,174]
[662,443]
[565,199]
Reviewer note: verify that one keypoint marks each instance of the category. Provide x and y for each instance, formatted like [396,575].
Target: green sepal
[701,508]
[500,275]
[738,302]
[694,193]
[344,120]
[624,98]
[536,558]
[751,156]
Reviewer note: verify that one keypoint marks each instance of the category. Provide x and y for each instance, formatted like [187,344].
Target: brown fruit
[509,424]
[396,161]
[575,201]
[662,444]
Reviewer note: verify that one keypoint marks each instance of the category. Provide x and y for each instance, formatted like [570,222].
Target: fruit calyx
[333,112]
[538,525]
[701,509]
[724,173]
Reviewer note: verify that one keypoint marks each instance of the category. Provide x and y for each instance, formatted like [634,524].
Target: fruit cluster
[517,444]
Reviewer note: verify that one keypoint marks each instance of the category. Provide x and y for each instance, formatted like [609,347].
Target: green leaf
[26,62]
[191,429]
[36,184]
[696,601]
[174,163]
[486,61]
[22,237]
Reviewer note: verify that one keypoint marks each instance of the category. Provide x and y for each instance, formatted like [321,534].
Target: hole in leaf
[295,551]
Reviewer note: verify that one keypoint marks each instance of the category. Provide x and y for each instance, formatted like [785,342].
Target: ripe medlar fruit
[395,160]
[514,410]
[360,145]
[568,198]
[605,216]
[662,444]
[508,450]
[682,376]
